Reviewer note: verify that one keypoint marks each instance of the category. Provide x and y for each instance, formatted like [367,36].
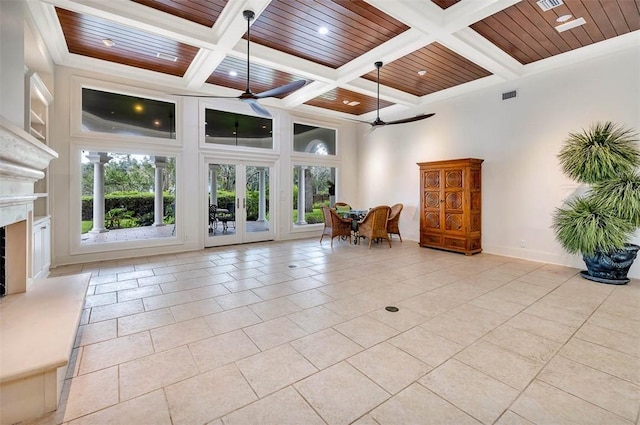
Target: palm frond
[621,196]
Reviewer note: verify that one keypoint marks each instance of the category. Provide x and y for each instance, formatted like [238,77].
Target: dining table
[355,216]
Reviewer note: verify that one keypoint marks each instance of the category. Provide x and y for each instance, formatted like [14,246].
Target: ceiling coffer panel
[203,12]
[347,101]
[428,70]
[528,34]
[353,28]
[262,78]
[84,35]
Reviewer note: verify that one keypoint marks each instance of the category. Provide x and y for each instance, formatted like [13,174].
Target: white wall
[518,140]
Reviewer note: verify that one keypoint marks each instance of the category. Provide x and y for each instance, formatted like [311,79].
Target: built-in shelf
[37,134]
[35,118]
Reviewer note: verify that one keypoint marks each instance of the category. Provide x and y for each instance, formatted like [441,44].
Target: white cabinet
[41,243]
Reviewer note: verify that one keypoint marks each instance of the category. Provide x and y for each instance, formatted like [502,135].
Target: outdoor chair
[334,225]
[394,221]
[341,207]
[374,224]
[213,219]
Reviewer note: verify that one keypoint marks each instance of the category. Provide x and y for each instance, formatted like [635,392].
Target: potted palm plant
[600,223]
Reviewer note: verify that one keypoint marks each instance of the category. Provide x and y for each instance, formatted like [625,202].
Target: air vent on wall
[509,95]
[549,4]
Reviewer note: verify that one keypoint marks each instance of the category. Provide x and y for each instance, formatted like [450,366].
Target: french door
[237,202]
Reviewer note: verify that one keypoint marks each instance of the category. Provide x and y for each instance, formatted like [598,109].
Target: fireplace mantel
[22,161]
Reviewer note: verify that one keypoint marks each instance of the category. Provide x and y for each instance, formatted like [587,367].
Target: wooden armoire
[450,205]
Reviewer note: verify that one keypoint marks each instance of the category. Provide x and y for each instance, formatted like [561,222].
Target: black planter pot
[610,267]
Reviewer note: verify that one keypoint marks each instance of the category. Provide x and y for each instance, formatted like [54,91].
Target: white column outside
[160,163]
[301,206]
[213,196]
[98,159]
[262,196]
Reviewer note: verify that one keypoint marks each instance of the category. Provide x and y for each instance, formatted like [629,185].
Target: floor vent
[509,95]
[549,4]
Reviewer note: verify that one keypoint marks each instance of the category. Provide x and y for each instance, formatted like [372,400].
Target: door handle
[238,203]
[244,203]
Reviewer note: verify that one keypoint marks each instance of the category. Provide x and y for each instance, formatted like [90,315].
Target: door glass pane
[222,199]
[257,199]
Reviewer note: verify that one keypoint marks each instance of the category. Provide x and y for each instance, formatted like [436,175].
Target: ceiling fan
[378,122]
[252,98]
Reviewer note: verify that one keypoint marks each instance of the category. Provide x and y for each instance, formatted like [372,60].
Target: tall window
[115,113]
[314,140]
[312,187]
[233,129]
[127,197]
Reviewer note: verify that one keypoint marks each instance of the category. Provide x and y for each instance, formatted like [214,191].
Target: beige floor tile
[550,329]
[366,420]
[156,280]
[135,274]
[223,349]
[274,369]
[366,331]
[615,322]
[315,319]
[547,311]
[510,418]
[246,273]
[152,372]
[309,298]
[479,395]
[353,306]
[504,365]
[167,300]
[149,409]
[603,390]
[114,351]
[605,359]
[272,309]
[195,309]
[389,367]
[401,320]
[572,303]
[274,332]
[137,293]
[116,286]
[100,300]
[544,404]
[144,321]
[618,341]
[91,392]
[231,320]
[237,299]
[208,396]
[341,394]
[326,348]
[180,333]
[242,285]
[273,278]
[286,407]
[96,332]
[495,303]
[113,311]
[426,346]
[430,305]
[417,405]
[524,343]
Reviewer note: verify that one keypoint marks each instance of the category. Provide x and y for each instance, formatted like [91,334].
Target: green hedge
[138,203]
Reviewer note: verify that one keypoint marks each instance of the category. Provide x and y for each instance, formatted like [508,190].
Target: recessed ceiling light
[563,18]
[353,103]
[233,73]
[138,107]
[570,25]
[346,102]
[323,30]
[422,72]
[108,42]
[156,122]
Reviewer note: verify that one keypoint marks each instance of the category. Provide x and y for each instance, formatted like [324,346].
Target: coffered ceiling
[431,49]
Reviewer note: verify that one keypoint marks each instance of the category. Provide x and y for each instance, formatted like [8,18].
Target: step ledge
[38,327]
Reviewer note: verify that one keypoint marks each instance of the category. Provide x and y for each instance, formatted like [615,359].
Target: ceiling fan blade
[412,119]
[257,107]
[279,91]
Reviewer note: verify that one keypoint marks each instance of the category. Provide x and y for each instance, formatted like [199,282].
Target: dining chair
[342,206]
[374,224]
[394,221]
[213,219]
[334,225]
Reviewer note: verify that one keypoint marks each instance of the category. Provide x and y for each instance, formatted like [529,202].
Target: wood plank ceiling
[425,53]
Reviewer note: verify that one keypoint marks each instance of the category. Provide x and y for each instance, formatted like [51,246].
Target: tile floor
[297,333]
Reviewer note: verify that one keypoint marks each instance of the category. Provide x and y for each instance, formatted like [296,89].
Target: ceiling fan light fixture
[108,42]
